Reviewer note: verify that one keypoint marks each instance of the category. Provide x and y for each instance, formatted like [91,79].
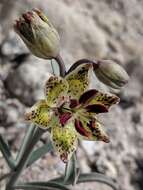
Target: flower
[70,110]
[111,74]
[38,34]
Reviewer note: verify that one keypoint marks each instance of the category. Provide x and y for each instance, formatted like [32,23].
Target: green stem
[24,159]
[72,170]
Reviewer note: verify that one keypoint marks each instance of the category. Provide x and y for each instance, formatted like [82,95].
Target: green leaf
[36,154]
[27,139]
[55,67]
[6,152]
[72,171]
[24,158]
[41,186]
[90,177]
[4,145]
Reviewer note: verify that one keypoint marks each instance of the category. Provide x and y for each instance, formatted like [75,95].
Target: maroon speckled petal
[87,96]
[80,128]
[64,118]
[73,103]
[97,132]
[96,108]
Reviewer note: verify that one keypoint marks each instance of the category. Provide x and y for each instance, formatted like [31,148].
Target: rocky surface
[97,29]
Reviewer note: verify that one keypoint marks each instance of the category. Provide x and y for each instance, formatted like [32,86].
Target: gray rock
[102,29]
[11,112]
[27,82]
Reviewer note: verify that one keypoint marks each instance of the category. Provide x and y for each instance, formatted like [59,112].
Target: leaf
[27,138]
[41,186]
[36,154]
[4,146]
[25,157]
[71,171]
[6,152]
[90,177]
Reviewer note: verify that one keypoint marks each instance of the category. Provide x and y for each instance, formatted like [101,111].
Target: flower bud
[38,34]
[111,74]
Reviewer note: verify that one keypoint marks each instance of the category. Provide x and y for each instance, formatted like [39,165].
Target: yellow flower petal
[78,80]
[39,114]
[56,89]
[64,140]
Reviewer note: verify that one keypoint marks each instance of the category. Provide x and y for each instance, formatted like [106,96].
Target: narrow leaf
[4,145]
[41,186]
[27,139]
[4,148]
[91,177]
[36,154]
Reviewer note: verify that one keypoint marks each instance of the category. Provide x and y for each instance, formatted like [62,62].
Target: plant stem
[95,64]
[61,65]
[72,170]
[24,159]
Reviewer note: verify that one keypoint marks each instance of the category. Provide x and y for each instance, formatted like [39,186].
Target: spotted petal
[56,89]
[90,130]
[78,80]
[94,97]
[40,114]
[64,140]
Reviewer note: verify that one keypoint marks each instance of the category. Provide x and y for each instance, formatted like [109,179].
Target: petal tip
[105,139]
[64,157]
[27,116]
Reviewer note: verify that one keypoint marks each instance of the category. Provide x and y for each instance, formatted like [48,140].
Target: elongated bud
[38,34]
[111,74]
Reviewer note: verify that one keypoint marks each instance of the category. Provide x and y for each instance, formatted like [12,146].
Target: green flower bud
[38,34]
[111,74]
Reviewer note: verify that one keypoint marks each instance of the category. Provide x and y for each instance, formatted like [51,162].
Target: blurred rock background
[88,29]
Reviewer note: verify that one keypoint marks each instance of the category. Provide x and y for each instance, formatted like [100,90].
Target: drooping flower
[38,34]
[71,110]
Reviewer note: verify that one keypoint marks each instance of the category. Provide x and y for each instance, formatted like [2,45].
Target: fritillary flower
[71,111]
